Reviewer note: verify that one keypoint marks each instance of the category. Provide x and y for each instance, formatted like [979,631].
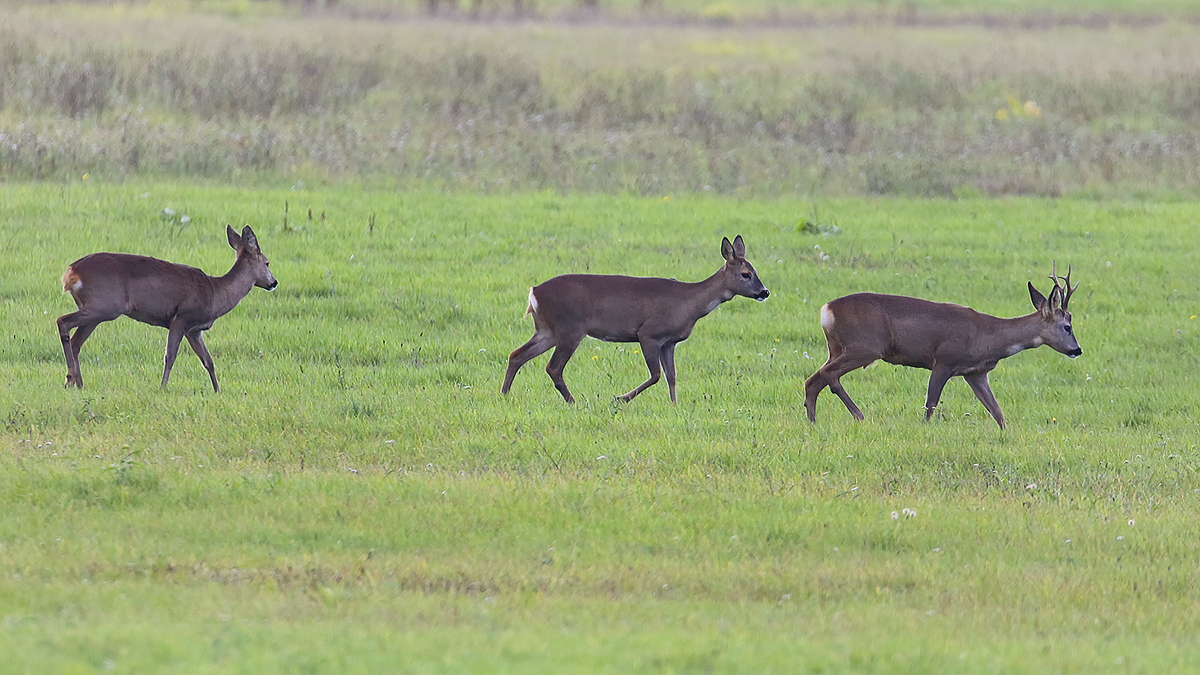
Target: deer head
[740,276]
[246,246]
[1057,331]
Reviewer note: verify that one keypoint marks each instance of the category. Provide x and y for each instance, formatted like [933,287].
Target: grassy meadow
[360,498]
[838,108]
[360,479]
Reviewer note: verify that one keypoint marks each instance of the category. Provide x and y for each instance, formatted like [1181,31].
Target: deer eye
[745,275]
[1067,329]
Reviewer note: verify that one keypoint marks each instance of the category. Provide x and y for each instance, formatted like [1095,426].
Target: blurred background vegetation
[758,98]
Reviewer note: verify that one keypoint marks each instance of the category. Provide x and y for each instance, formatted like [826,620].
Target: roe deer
[656,313]
[182,299]
[946,339]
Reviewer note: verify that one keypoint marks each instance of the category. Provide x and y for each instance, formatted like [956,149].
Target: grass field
[829,109]
[360,498]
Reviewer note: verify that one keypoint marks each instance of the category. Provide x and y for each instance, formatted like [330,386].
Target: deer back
[611,307]
[146,289]
[909,331]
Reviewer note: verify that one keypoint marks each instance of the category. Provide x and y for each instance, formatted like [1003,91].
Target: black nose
[274,283]
[1075,353]
[763,295]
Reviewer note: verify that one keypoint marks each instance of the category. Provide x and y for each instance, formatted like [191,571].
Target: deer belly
[608,336]
[149,316]
[910,361]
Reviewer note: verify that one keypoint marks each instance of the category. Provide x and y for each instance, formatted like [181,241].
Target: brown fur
[182,299]
[653,312]
[946,339]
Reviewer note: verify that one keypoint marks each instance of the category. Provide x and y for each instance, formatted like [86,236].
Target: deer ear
[234,240]
[1039,300]
[726,249]
[1056,299]
[249,238]
[739,248]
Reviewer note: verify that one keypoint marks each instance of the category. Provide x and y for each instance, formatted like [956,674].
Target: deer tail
[71,281]
[532,308]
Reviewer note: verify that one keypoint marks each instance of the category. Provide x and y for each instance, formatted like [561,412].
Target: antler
[1057,289]
[1063,292]
[1069,288]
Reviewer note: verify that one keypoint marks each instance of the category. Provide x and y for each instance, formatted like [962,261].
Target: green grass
[359,497]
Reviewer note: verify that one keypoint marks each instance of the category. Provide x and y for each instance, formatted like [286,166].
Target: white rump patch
[71,281]
[532,302]
[826,318]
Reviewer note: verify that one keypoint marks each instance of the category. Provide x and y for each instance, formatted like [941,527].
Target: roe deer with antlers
[182,299]
[946,339]
[656,313]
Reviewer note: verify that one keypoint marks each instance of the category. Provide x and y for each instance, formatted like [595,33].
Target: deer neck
[709,294]
[1015,335]
[229,289]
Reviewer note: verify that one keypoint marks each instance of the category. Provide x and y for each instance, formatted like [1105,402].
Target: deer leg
[65,323]
[983,392]
[667,357]
[196,340]
[539,344]
[558,361]
[836,387]
[77,339]
[814,385]
[830,375]
[651,352]
[64,334]
[82,333]
[84,326]
[937,381]
[812,389]
[174,337]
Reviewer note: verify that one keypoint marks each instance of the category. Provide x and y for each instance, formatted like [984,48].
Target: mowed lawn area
[359,497]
